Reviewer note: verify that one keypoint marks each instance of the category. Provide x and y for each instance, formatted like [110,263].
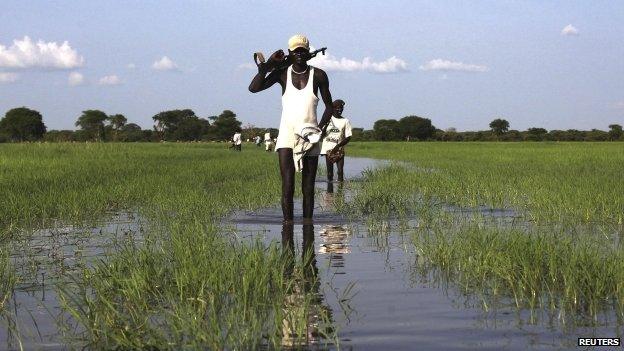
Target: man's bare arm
[344,142]
[327,99]
[261,81]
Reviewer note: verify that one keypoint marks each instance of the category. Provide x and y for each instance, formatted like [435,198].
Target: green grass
[76,182]
[561,256]
[549,182]
[188,286]
[7,278]
[579,276]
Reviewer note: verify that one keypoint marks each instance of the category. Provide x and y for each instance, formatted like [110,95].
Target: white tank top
[298,108]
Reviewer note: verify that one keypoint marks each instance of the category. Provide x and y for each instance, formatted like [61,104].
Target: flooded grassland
[444,245]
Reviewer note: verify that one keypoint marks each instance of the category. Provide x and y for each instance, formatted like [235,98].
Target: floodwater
[43,258]
[367,279]
[378,300]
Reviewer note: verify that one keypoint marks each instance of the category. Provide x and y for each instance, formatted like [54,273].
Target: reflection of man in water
[300,85]
[305,302]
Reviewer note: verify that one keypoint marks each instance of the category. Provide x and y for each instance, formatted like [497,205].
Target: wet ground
[367,273]
[43,258]
[369,281]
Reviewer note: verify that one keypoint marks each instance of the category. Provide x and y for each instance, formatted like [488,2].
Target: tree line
[417,128]
[24,124]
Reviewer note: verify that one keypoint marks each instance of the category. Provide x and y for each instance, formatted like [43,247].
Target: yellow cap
[298,41]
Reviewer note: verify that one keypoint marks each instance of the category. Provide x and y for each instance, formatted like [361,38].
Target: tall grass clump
[7,278]
[579,277]
[194,291]
[384,192]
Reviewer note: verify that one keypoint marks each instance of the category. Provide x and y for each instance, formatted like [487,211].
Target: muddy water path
[378,300]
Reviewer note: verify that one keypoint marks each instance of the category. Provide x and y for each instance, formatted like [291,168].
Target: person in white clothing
[268,142]
[237,140]
[338,134]
[300,84]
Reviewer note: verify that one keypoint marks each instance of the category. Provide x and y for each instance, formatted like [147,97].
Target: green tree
[615,132]
[116,122]
[191,128]
[597,135]
[168,123]
[414,127]
[131,132]
[536,134]
[22,124]
[499,126]
[225,125]
[92,124]
[59,136]
[387,129]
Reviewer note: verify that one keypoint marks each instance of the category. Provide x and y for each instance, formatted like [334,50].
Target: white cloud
[131,66]
[619,105]
[165,64]
[110,80]
[8,77]
[446,65]
[75,78]
[27,54]
[247,66]
[569,30]
[331,63]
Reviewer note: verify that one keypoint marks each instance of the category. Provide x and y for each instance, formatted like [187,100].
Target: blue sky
[459,63]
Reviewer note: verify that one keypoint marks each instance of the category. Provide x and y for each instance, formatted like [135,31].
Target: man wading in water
[301,84]
[337,136]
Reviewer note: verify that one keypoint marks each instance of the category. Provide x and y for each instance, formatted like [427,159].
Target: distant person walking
[268,142]
[257,140]
[237,140]
[338,134]
[300,85]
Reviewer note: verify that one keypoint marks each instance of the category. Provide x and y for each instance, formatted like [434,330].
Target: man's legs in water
[340,165]
[310,163]
[330,169]
[287,171]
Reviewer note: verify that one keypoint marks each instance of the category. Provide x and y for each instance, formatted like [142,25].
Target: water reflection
[336,245]
[330,198]
[307,318]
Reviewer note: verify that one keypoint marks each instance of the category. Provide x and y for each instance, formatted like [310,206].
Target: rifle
[284,60]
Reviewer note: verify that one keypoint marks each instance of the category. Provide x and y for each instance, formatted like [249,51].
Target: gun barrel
[315,52]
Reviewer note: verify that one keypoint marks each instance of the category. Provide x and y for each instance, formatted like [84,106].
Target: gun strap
[259,58]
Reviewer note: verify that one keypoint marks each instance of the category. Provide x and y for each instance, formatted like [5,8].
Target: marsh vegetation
[532,227]
[544,222]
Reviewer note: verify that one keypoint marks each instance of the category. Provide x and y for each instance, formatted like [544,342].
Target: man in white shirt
[268,142]
[337,135]
[237,140]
